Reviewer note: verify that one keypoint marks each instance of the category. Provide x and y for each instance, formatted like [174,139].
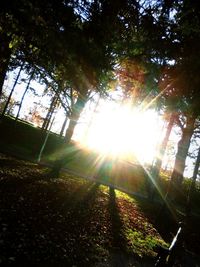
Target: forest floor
[71,221]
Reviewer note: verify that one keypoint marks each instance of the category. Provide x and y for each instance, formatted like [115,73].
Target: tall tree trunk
[22,99]
[45,141]
[63,126]
[5,54]
[49,113]
[196,169]
[192,187]
[69,153]
[163,147]
[12,90]
[181,155]
[159,159]
[76,112]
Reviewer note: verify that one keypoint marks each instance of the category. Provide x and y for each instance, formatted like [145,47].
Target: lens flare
[124,132]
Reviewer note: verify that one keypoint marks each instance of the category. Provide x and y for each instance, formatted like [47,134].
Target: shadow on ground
[166,221]
[59,222]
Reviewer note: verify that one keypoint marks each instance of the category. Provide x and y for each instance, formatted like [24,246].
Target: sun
[124,132]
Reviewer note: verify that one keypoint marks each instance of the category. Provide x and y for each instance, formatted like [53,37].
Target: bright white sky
[120,130]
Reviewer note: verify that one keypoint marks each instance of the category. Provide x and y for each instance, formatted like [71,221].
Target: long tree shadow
[81,217]
[81,207]
[118,252]
[17,175]
[165,219]
[49,217]
[161,215]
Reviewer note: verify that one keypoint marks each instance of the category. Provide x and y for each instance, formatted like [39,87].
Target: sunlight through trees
[120,78]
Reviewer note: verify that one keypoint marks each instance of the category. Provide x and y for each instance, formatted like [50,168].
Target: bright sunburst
[121,131]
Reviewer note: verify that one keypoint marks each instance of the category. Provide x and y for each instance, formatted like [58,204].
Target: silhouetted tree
[12,90]
[22,98]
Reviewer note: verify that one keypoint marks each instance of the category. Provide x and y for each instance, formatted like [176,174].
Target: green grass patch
[141,244]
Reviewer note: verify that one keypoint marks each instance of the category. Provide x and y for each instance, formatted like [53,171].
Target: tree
[71,48]
[163,146]
[159,157]
[182,151]
[100,50]
[22,98]
[5,53]
[192,187]
[34,116]
[63,126]
[50,112]
[179,80]
[11,92]
[186,81]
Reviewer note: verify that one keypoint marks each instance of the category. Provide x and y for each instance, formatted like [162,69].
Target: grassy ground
[69,221]
[73,222]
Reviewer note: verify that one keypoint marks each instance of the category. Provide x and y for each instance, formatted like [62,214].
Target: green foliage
[142,244]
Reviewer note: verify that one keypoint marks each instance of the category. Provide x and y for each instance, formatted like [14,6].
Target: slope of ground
[68,221]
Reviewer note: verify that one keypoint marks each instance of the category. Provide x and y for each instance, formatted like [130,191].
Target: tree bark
[159,159]
[45,141]
[192,187]
[49,113]
[163,147]
[76,112]
[11,92]
[5,54]
[196,169]
[69,151]
[181,155]
[63,126]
